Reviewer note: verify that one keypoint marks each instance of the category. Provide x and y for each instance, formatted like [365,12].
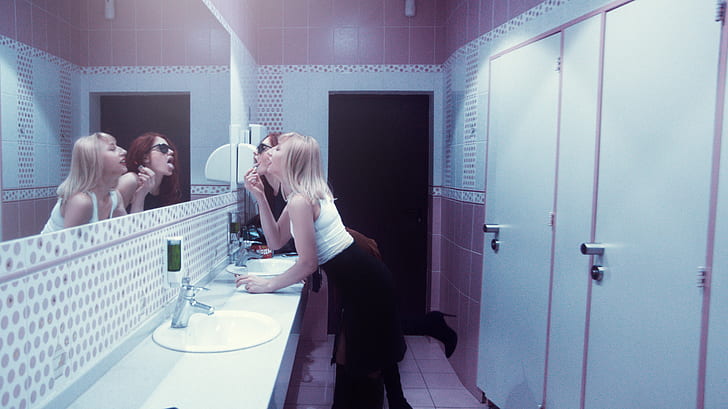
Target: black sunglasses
[262,148]
[162,147]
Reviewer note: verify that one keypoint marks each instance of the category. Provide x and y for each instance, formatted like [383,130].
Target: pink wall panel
[295,46]
[295,14]
[346,43]
[320,46]
[422,41]
[396,45]
[371,45]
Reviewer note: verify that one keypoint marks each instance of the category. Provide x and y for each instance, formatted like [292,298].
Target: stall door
[519,199]
[574,202]
[716,375]
[654,175]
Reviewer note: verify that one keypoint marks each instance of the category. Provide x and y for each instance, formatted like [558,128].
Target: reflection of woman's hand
[253,284]
[254,183]
[145,181]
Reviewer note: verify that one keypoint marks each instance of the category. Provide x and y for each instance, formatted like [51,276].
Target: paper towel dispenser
[217,167]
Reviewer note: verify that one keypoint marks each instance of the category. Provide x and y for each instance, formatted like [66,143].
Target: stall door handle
[592,249]
[495,229]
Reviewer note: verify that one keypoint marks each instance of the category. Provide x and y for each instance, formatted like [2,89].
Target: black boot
[436,327]
[344,389]
[393,386]
[369,393]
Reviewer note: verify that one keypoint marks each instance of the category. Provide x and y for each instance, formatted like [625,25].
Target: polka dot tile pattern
[65,125]
[270,84]
[209,189]
[26,119]
[68,298]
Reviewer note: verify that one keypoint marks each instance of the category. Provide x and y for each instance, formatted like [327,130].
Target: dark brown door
[378,169]
[128,116]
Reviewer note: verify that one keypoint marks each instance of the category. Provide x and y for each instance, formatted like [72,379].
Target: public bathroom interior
[550,173]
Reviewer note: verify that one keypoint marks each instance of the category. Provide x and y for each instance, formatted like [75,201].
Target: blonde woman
[370,339]
[89,192]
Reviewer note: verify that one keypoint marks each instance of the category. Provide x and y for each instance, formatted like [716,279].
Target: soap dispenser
[174,261]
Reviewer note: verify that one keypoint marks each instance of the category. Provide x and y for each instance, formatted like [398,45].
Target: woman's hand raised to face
[145,180]
[254,183]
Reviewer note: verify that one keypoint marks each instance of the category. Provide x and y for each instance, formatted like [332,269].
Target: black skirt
[369,318]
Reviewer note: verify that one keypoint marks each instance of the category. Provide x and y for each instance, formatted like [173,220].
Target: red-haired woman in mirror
[152,180]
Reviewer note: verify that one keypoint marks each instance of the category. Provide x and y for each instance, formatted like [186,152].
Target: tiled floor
[428,380]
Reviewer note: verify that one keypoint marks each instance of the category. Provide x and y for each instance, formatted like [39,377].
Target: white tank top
[330,233]
[56,221]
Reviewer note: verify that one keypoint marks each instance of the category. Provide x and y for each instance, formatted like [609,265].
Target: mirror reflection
[52,91]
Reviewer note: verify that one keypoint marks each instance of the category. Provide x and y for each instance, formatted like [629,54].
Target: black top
[152,202]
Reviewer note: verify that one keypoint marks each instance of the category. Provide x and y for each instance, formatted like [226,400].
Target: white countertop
[152,377]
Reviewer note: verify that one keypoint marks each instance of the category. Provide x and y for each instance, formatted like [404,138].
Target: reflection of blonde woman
[89,192]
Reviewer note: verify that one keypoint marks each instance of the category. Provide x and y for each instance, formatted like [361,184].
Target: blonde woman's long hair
[304,173]
[87,167]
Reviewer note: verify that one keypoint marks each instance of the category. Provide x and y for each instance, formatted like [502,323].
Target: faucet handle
[249,243]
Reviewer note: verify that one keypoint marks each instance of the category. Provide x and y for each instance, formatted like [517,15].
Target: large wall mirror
[82,70]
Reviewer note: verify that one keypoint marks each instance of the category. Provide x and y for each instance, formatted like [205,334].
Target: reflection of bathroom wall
[51,56]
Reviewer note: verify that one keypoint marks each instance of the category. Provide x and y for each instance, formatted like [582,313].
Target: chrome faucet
[187,305]
[245,253]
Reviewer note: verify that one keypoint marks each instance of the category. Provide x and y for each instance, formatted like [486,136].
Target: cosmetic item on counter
[263,250]
[174,261]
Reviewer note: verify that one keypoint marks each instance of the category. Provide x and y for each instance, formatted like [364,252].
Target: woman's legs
[352,390]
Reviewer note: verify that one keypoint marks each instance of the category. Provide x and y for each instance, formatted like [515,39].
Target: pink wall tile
[425,14]
[7,18]
[123,45]
[11,223]
[197,45]
[219,47]
[65,41]
[320,46]
[320,13]
[53,34]
[70,11]
[473,21]
[371,45]
[149,47]
[486,16]
[422,46]
[457,28]
[345,12]
[79,46]
[270,42]
[270,13]
[396,45]
[295,14]
[295,46]
[99,47]
[29,223]
[124,15]
[23,22]
[371,13]
[441,53]
[346,43]
[173,50]
[96,19]
[500,12]
[394,13]
[174,16]
[148,14]
[39,20]
[198,16]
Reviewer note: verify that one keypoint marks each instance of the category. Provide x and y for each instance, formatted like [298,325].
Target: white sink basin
[220,332]
[263,266]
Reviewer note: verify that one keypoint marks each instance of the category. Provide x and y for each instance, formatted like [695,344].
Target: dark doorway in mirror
[378,169]
[127,116]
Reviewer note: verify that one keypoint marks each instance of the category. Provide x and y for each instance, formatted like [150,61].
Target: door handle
[592,249]
[597,272]
[495,229]
[491,228]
